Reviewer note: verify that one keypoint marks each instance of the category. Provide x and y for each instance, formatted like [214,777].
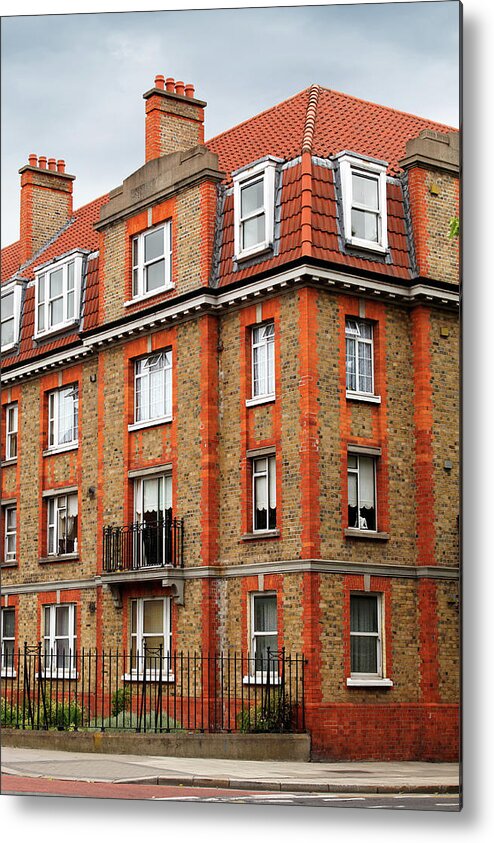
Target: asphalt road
[29,786]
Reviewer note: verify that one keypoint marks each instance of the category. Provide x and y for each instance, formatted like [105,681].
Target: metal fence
[153,691]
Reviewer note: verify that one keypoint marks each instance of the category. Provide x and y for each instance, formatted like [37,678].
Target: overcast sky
[72,85]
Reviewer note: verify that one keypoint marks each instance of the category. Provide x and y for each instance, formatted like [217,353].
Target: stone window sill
[369,683]
[350,533]
[151,295]
[65,557]
[363,396]
[267,534]
[151,423]
[152,676]
[9,563]
[260,399]
[61,449]
[6,463]
[261,679]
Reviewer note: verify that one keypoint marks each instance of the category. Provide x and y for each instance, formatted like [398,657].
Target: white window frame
[263,349]
[11,430]
[356,471]
[49,661]
[351,164]
[142,374]
[371,679]
[269,472]
[14,289]
[255,676]
[265,171]
[55,505]
[54,401]
[137,673]
[70,295]
[8,533]
[7,670]
[358,339]
[139,265]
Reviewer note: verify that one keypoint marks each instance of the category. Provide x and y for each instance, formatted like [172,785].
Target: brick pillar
[424,484]
[46,202]
[174,118]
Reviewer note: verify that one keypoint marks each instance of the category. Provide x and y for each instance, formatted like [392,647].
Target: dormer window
[10,315]
[363,185]
[58,294]
[152,261]
[253,196]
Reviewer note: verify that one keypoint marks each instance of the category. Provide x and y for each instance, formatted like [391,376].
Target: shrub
[62,715]
[121,700]
[274,714]
[9,713]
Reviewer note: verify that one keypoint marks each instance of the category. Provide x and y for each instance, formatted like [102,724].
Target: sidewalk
[318,777]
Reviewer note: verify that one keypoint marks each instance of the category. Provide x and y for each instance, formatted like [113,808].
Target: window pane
[364,225]
[365,366]
[265,615]
[252,197]
[62,621]
[8,306]
[351,365]
[8,623]
[253,231]
[363,613]
[262,643]
[155,276]
[70,275]
[134,617]
[153,245]
[56,283]
[153,617]
[56,312]
[365,191]
[41,317]
[7,332]
[363,654]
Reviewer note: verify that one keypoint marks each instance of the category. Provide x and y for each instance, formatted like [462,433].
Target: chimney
[432,170]
[174,118]
[46,202]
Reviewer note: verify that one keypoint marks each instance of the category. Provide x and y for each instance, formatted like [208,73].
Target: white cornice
[218,300]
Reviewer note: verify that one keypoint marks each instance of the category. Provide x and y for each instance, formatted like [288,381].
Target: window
[264,626]
[63,417]
[62,525]
[152,260]
[359,357]
[263,361]
[58,293]
[150,636]
[365,635]
[153,388]
[152,517]
[10,546]
[59,638]
[361,492]
[363,183]
[10,310]
[264,493]
[11,421]
[253,196]
[8,640]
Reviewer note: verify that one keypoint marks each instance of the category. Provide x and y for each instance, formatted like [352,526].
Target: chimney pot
[170,84]
[61,165]
[159,82]
[42,162]
[33,160]
[52,164]
[189,90]
[179,88]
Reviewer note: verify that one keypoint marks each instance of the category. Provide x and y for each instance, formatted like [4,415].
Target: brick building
[230,395]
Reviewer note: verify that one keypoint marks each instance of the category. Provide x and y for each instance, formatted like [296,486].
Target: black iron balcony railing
[141,545]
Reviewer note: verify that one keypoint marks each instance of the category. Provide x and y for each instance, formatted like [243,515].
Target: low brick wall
[232,746]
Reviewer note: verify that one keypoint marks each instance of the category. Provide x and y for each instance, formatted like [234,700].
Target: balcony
[143,546]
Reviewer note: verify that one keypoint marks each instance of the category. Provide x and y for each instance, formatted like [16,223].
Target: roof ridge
[310,118]
[259,114]
[387,108]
